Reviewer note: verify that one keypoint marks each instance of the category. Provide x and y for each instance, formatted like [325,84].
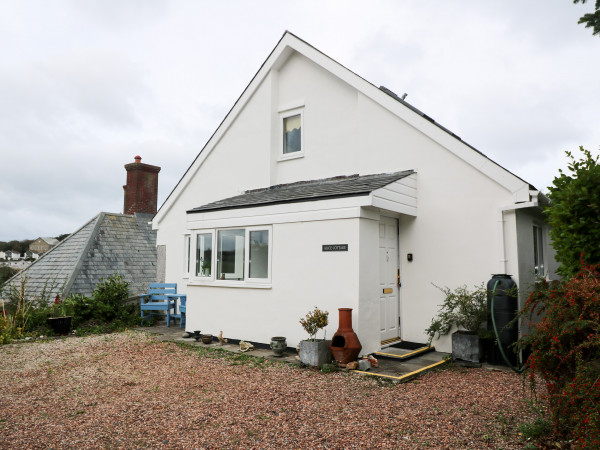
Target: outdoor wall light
[409,257]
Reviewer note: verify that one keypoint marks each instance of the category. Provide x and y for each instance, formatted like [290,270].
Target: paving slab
[391,369]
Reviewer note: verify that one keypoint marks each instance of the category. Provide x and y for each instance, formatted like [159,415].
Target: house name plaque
[335,247]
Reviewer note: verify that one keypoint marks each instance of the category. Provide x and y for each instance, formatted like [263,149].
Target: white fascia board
[340,208]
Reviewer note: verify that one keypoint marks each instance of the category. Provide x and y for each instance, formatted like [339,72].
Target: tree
[6,272]
[574,215]
[591,20]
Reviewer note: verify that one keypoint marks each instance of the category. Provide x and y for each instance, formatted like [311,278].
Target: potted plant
[467,311]
[313,351]
[62,315]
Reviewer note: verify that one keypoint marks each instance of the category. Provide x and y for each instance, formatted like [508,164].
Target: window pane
[188,243]
[230,254]
[292,136]
[203,255]
[538,251]
[259,254]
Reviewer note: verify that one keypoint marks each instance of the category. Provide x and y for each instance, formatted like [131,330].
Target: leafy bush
[574,215]
[314,321]
[467,310]
[105,311]
[565,352]
[106,306]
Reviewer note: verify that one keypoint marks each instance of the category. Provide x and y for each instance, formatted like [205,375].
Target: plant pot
[315,353]
[278,345]
[466,346]
[60,325]
[207,338]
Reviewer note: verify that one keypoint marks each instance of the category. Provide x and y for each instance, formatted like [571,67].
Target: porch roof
[326,188]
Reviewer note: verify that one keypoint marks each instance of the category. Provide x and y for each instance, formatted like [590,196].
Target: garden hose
[504,357]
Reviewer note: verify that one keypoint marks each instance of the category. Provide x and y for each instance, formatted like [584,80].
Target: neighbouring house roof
[50,240]
[107,244]
[326,188]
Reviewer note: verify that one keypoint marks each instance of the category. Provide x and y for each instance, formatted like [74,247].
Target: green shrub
[565,352]
[106,308]
[466,309]
[314,321]
[575,212]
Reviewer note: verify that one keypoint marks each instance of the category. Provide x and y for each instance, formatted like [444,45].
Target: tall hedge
[574,215]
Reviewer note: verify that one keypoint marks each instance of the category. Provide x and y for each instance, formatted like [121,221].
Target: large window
[538,251]
[241,255]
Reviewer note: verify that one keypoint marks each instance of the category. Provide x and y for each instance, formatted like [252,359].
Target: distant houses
[16,260]
[43,244]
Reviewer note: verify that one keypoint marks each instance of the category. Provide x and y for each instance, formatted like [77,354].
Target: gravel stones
[129,390]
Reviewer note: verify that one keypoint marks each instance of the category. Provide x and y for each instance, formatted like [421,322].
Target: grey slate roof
[342,186]
[107,244]
[50,240]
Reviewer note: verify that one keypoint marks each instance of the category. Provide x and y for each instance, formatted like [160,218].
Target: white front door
[388,278]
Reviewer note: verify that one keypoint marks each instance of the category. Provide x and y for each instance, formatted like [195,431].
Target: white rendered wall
[454,237]
[303,276]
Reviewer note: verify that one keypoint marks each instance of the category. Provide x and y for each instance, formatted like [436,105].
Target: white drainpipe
[533,195]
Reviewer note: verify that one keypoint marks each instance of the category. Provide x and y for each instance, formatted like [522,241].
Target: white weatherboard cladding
[303,276]
[454,236]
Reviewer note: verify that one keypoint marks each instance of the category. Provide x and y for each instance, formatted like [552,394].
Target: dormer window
[293,142]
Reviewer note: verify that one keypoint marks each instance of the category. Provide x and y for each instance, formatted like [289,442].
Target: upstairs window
[538,251]
[292,133]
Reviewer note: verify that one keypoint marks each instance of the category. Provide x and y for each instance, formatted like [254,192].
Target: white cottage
[321,189]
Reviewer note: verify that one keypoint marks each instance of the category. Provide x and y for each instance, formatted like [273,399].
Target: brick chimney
[141,190]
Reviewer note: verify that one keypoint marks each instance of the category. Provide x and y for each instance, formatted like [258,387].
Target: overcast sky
[85,85]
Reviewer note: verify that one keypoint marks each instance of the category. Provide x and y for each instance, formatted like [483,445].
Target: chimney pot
[141,190]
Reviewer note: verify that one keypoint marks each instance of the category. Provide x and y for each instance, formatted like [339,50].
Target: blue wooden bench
[162,297]
[182,308]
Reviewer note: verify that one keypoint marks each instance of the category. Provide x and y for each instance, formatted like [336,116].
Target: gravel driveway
[129,390]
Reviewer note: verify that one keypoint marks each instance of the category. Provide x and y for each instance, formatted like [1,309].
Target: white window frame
[187,251]
[214,279]
[193,274]
[538,249]
[247,278]
[282,116]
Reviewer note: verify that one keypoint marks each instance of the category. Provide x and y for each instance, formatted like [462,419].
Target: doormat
[407,345]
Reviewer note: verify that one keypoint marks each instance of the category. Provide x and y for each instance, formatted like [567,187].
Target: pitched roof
[288,44]
[50,240]
[335,187]
[107,244]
